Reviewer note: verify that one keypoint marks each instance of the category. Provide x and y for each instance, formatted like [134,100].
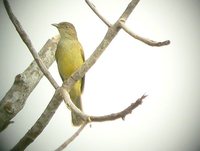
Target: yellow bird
[69,57]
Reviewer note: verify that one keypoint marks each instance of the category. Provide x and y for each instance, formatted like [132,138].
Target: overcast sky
[168,120]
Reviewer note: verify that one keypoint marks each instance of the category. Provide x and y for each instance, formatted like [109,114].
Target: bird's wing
[83,79]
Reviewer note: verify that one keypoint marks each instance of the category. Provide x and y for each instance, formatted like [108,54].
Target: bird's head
[66,30]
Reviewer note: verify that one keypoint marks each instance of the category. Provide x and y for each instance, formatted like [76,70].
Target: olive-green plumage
[69,57]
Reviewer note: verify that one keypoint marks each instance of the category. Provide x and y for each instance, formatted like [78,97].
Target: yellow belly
[69,58]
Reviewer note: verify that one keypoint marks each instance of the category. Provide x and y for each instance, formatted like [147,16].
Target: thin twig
[118,115]
[145,40]
[68,141]
[109,117]
[92,6]
[28,43]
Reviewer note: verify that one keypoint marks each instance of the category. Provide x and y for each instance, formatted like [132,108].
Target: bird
[69,56]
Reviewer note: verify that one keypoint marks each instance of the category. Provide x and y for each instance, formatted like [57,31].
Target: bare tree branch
[24,84]
[89,118]
[121,114]
[145,40]
[44,119]
[123,18]
[111,33]
[71,105]
[68,141]
[92,6]
[28,43]
[109,117]
[131,6]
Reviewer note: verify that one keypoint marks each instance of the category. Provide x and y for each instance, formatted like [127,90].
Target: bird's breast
[69,57]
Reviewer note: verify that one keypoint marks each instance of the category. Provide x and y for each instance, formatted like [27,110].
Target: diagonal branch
[131,6]
[28,43]
[68,141]
[92,6]
[24,84]
[111,33]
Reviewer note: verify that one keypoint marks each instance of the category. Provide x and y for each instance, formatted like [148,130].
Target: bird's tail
[77,120]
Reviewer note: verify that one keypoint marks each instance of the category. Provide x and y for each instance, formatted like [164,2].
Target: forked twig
[123,18]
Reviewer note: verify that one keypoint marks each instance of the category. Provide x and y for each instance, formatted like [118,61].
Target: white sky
[169,117]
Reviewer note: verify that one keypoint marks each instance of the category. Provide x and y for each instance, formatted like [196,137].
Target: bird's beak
[56,25]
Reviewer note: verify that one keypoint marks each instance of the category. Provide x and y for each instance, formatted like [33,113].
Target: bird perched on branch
[69,57]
